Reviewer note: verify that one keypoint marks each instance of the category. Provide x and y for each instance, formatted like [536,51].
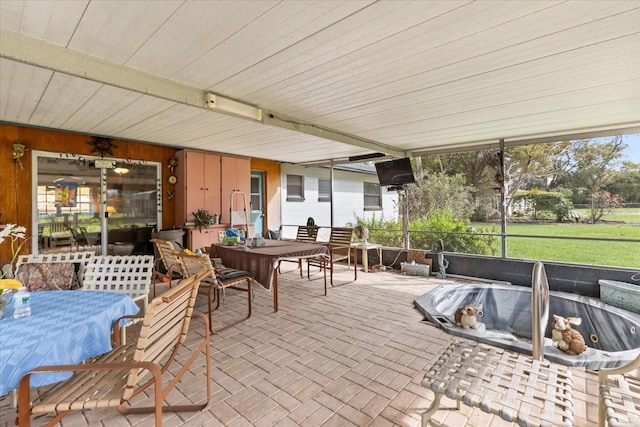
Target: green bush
[382,231]
[544,204]
[424,233]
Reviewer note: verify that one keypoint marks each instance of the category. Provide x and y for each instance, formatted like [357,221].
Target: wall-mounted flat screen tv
[395,172]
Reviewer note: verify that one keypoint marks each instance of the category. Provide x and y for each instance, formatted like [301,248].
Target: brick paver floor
[353,358]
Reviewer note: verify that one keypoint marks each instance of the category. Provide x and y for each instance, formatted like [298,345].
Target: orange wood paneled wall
[272,191]
[16,185]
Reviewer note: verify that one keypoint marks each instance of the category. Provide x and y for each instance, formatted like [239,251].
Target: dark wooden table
[262,262]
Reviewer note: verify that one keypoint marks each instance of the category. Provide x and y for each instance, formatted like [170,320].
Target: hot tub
[612,334]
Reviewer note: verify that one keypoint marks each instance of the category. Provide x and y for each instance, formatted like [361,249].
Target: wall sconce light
[18,152]
[232,107]
[121,171]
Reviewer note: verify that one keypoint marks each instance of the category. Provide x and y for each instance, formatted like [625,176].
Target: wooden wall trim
[15,184]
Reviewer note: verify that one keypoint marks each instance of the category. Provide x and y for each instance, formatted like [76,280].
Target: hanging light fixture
[121,170]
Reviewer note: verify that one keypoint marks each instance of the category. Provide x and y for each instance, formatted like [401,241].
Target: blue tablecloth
[64,327]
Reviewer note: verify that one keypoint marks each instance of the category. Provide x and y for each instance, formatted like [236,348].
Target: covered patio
[311,83]
[353,358]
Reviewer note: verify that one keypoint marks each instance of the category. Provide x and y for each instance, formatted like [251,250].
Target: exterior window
[372,197]
[295,188]
[324,190]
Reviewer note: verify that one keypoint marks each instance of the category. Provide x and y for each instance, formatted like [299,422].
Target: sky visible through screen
[632,152]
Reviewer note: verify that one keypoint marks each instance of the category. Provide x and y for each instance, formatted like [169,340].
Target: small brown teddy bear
[465,316]
[569,340]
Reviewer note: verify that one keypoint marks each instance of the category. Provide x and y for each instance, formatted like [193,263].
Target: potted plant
[203,218]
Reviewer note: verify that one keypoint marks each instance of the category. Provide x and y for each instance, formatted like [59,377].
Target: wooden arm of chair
[24,385]
[120,366]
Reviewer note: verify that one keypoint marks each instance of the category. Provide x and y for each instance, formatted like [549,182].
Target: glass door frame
[257,213]
[36,154]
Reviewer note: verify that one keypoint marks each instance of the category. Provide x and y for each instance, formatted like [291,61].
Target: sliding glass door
[78,206]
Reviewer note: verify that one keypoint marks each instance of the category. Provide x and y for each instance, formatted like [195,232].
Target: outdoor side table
[365,257]
[510,385]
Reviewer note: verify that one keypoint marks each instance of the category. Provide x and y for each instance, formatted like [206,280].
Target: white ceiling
[397,77]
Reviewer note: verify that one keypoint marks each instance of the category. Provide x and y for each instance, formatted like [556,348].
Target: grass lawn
[626,215]
[621,254]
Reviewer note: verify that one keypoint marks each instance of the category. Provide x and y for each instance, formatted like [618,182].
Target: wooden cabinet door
[243,177]
[236,176]
[199,239]
[198,184]
[194,182]
[210,172]
[203,238]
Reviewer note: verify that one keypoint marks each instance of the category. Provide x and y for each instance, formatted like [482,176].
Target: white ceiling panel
[21,87]
[334,78]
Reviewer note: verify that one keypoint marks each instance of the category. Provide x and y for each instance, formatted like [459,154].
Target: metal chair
[113,379]
[339,246]
[79,239]
[168,260]
[217,280]
[305,234]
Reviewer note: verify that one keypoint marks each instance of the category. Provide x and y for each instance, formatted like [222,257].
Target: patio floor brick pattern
[353,358]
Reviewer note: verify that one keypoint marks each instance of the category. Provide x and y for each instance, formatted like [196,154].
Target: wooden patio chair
[339,246]
[217,280]
[619,395]
[113,379]
[60,234]
[128,274]
[305,234]
[168,260]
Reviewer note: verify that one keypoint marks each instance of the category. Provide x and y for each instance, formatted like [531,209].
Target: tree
[589,163]
[603,202]
[441,192]
[534,165]
[625,182]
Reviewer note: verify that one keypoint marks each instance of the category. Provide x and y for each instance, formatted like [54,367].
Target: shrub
[545,203]
[425,232]
[457,235]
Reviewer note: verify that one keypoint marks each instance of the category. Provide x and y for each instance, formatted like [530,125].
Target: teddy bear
[465,316]
[569,340]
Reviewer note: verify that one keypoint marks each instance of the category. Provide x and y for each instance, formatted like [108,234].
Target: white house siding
[348,199]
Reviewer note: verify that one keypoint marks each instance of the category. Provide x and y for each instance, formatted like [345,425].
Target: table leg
[275,289]
[365,260]
[355,264]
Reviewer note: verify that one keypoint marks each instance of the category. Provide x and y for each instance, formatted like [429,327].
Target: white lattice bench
[512,386]
[619,397]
